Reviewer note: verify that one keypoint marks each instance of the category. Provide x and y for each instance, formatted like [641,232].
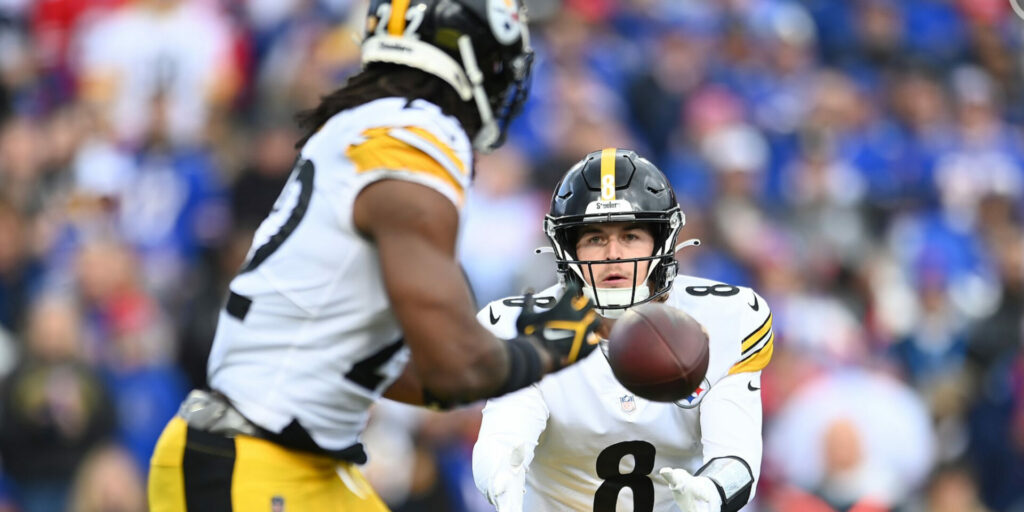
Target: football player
[579,440]
[353,275]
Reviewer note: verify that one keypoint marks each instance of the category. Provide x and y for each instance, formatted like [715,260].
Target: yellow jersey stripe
[608,174]
[756,336]
[396,25]
[756,361]
[443,148]
[758,346]
[381,151]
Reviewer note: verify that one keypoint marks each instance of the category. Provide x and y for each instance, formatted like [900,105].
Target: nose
[614,249]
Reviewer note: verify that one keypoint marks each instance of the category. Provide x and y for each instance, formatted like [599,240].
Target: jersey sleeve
[730,421]
[513,422]
[413,153]
[756,337]
[500,316]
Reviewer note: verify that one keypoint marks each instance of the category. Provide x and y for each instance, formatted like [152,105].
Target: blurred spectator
[21,166]
[108,481]
[824,195]
[500,202]
[880,31]
[920,108]
[583,114]
[933,350]
[254,192]
[55,408]
[657,96]
[20,272]
[145,384]
[996,400]
[952,488]
[179,49]
[985,159]
[305,55]
[54,25]
[829,440]
[777,78]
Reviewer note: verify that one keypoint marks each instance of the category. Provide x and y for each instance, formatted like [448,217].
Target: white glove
[509,484]
[692,493]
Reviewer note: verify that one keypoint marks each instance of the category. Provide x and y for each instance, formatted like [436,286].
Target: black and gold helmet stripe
[396,24]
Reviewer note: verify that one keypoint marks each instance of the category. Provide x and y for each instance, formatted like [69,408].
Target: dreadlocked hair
[381,80]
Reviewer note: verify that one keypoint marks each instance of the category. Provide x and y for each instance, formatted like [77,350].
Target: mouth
[615,280]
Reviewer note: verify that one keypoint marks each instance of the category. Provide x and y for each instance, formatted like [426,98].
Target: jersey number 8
[614,480]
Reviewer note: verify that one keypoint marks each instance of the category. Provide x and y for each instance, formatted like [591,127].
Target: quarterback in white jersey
[353,275]
[578,440]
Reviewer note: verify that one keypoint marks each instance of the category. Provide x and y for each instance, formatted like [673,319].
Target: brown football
[658,352]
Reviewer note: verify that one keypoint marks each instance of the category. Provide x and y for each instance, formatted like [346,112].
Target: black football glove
[566,330]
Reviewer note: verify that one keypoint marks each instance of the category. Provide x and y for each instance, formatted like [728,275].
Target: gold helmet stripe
[396,25]
[608,174]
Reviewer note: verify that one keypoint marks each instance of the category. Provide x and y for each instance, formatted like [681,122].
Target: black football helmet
[615,185]
[479,47]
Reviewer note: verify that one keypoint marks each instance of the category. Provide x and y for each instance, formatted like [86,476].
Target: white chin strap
[615,297]
[489,131]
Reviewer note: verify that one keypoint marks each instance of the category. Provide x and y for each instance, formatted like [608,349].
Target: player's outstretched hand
[509,484]
[692,493]
[566,331]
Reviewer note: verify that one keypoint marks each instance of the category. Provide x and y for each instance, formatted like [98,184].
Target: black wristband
[431,401]
[523,366]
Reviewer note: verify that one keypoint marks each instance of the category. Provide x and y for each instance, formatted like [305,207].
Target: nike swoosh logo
[494,319]
[756,306]
[750,386]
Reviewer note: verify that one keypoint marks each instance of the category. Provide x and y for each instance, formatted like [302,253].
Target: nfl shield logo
[628,403]
[277,504]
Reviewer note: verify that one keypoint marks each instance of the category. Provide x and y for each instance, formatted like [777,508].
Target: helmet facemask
[501,93]
[563,233]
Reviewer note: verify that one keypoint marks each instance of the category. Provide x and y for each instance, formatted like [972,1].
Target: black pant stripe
[208,463]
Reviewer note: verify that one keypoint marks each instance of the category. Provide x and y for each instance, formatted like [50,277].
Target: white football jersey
[596,446]
[308,333]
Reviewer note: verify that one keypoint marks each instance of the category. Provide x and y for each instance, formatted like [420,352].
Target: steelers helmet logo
[503,15]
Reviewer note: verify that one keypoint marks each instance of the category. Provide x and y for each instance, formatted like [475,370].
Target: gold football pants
[196,471]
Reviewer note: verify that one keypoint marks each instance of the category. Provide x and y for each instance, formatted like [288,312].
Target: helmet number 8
[608,187]
[413,17]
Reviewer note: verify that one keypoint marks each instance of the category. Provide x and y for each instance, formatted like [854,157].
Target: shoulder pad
[739,318]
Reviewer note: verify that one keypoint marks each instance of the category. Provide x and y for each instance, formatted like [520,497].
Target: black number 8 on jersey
[614,480]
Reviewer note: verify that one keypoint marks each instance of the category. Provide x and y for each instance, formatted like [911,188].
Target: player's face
[615,241]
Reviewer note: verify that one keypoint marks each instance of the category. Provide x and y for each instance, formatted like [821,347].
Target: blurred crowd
[859,162]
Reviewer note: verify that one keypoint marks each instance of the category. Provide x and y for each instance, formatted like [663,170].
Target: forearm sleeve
[516,419]
[730,421]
